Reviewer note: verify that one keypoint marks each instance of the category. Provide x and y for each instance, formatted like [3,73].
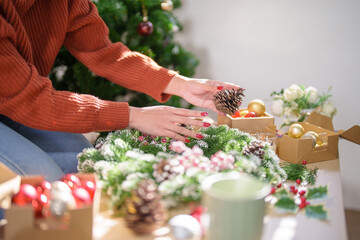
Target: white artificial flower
[124,167]
[60,72]
[289,112]
[313,94]
[328,109]
[147,157]
[192,171]
[105,150]
[121,143]
[277,107]
[293,92]
[133,154]
[88,163]
[103,167]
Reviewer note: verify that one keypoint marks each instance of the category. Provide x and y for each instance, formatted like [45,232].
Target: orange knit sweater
[31,35]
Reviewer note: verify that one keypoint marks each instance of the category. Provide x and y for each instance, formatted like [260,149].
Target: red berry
[292,187]
[304,162]
[302,193]
[295,191]
[141,138]
[71,180]
[298,181]
[26,195]
[163,140]
[279,185]
[250,115]
[273,189]
[303,199]
[302,205]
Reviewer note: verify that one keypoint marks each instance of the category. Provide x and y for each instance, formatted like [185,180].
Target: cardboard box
[296,150]
[21,224]
[256,124]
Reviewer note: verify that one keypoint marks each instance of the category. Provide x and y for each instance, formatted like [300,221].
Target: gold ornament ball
[244,112]
[167,5]
[308,135]
[296,131]
[316,136]
[257,106]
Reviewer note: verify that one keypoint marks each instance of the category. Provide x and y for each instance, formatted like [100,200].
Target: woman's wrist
[133,116]
[176,85]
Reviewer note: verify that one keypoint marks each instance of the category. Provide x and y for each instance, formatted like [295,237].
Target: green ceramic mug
[236,206]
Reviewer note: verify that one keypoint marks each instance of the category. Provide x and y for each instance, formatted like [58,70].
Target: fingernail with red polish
[204,114]
[187,140]
[205,124]
[220,88]
[199,136]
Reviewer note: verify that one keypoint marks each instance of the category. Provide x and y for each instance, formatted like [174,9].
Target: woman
[38,123]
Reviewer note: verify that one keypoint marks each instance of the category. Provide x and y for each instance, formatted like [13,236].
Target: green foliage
[316,211]
[317,192]
[299,171]
[122,18]
[287,204]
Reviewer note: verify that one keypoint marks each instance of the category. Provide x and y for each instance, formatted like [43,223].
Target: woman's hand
[198,92]
[164,121]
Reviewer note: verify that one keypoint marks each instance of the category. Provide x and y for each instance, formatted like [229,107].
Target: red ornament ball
[145,28]
[81,196]
[250,115]
[273,190]
[71,180]
[304,162]
[298,181]
[279,185]
[302,193]
[90,187]
[26,195]
[44,188]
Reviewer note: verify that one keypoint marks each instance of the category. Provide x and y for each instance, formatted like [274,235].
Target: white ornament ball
[185,227]
[57,208]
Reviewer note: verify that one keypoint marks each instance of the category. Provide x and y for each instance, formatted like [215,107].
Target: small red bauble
[295,191]
[304,162]
[26,195]
[250,115]
[81,196]
[40,205]
[44,188]
[279,185]
[71,180]
[163,140]
[303,199]
[145,28]
[292,187]
[90,187]
[236,114]
[273,190]
[298,181]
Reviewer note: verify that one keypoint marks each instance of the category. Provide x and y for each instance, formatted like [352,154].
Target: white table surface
[289,227]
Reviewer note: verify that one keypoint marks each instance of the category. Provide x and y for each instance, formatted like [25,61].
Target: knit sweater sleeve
[30,99]
[88,40]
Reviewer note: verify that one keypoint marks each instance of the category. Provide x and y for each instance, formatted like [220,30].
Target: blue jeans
[29,151]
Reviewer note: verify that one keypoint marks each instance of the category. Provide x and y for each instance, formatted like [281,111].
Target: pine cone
[229,101]
[255,148]
[144,210]
[167,169]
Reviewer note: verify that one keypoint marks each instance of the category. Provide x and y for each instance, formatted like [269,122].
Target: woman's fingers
[187,112]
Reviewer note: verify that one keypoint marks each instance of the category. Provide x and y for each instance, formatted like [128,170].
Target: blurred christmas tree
[145,26]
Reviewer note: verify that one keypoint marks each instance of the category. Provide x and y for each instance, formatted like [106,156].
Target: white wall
[266,45]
